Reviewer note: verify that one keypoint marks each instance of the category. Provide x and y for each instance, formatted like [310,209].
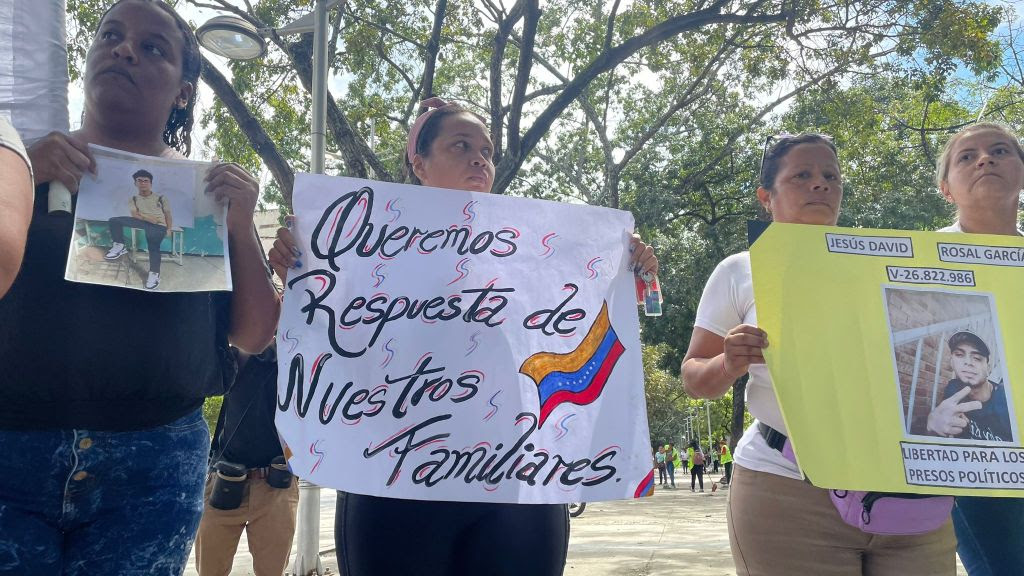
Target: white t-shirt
[9,139]
[727,302]
[955,227]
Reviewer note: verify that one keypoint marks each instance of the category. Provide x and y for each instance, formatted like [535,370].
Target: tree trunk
[739,410]
[251,127]
[354,150]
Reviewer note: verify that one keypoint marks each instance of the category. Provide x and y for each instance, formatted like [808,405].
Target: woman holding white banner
[102,388]
[778,523]
[448,147]
[981,172]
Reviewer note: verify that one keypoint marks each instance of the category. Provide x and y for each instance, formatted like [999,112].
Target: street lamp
[233,37]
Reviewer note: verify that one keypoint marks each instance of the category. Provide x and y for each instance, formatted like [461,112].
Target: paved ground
[672,533]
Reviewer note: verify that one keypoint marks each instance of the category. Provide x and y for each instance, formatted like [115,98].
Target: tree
[636,73]
[671,414]
[666,407]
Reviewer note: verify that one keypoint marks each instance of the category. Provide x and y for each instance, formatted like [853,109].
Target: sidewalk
[672,533]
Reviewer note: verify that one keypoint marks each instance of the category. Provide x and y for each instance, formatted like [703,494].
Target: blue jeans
[990,535]
[77,502]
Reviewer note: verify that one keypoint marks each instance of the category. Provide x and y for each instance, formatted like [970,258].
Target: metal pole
[307,535]
[319,116]
[307,553]
[707,409]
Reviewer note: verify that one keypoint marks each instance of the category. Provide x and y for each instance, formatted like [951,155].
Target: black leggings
[697,473]
[154,236]
[377,536]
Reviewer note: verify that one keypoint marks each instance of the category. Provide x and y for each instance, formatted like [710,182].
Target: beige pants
[784,527]
[267,514]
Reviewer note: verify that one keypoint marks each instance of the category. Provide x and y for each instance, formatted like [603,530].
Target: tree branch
[408,79]
[497,56]
[607,60]
[552,89]
[251,127]
[690,95]
[727,146]
[353,148]
[433,48]
[515,114]
[609,33]
[382,28]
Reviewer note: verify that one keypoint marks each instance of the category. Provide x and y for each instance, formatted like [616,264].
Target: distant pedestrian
[659,458]
[672,461]
[696,457]
[726,457]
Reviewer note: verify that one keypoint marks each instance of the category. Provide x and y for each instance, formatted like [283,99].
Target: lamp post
[707,409]
[234,38]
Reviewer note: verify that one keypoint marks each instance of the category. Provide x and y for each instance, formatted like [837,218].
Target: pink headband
[434,104]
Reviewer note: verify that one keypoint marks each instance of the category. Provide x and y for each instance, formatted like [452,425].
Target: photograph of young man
[974,407]
[151,213]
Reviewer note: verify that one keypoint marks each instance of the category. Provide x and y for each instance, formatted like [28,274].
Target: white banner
[33,67]
[447,345]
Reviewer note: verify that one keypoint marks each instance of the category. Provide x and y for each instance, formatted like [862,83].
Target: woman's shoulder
[736,263]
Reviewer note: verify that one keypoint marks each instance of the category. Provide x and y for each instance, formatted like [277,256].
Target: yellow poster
[896,356]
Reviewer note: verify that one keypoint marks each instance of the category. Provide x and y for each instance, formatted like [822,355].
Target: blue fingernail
[298,264]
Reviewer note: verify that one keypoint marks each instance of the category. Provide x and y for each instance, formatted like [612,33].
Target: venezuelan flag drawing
[577,377]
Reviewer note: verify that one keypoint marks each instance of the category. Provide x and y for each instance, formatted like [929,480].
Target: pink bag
[889,513]
[892,513]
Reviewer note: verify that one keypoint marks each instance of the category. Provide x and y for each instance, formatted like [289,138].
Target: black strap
[214,458]
[775,439]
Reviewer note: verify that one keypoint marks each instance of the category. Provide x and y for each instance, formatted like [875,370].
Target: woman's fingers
[62,158]
[81,156]
[65,172]
[281,262]
[287,242]
[642,259]
[285,253]
[231,184]
[747,335]
[648,262]
[231,175]
[743,346]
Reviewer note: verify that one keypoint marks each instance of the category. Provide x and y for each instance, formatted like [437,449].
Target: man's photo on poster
[950,365]
[137,215]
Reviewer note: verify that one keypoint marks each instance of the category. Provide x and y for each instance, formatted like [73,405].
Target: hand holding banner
[448,345]
[894,355]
